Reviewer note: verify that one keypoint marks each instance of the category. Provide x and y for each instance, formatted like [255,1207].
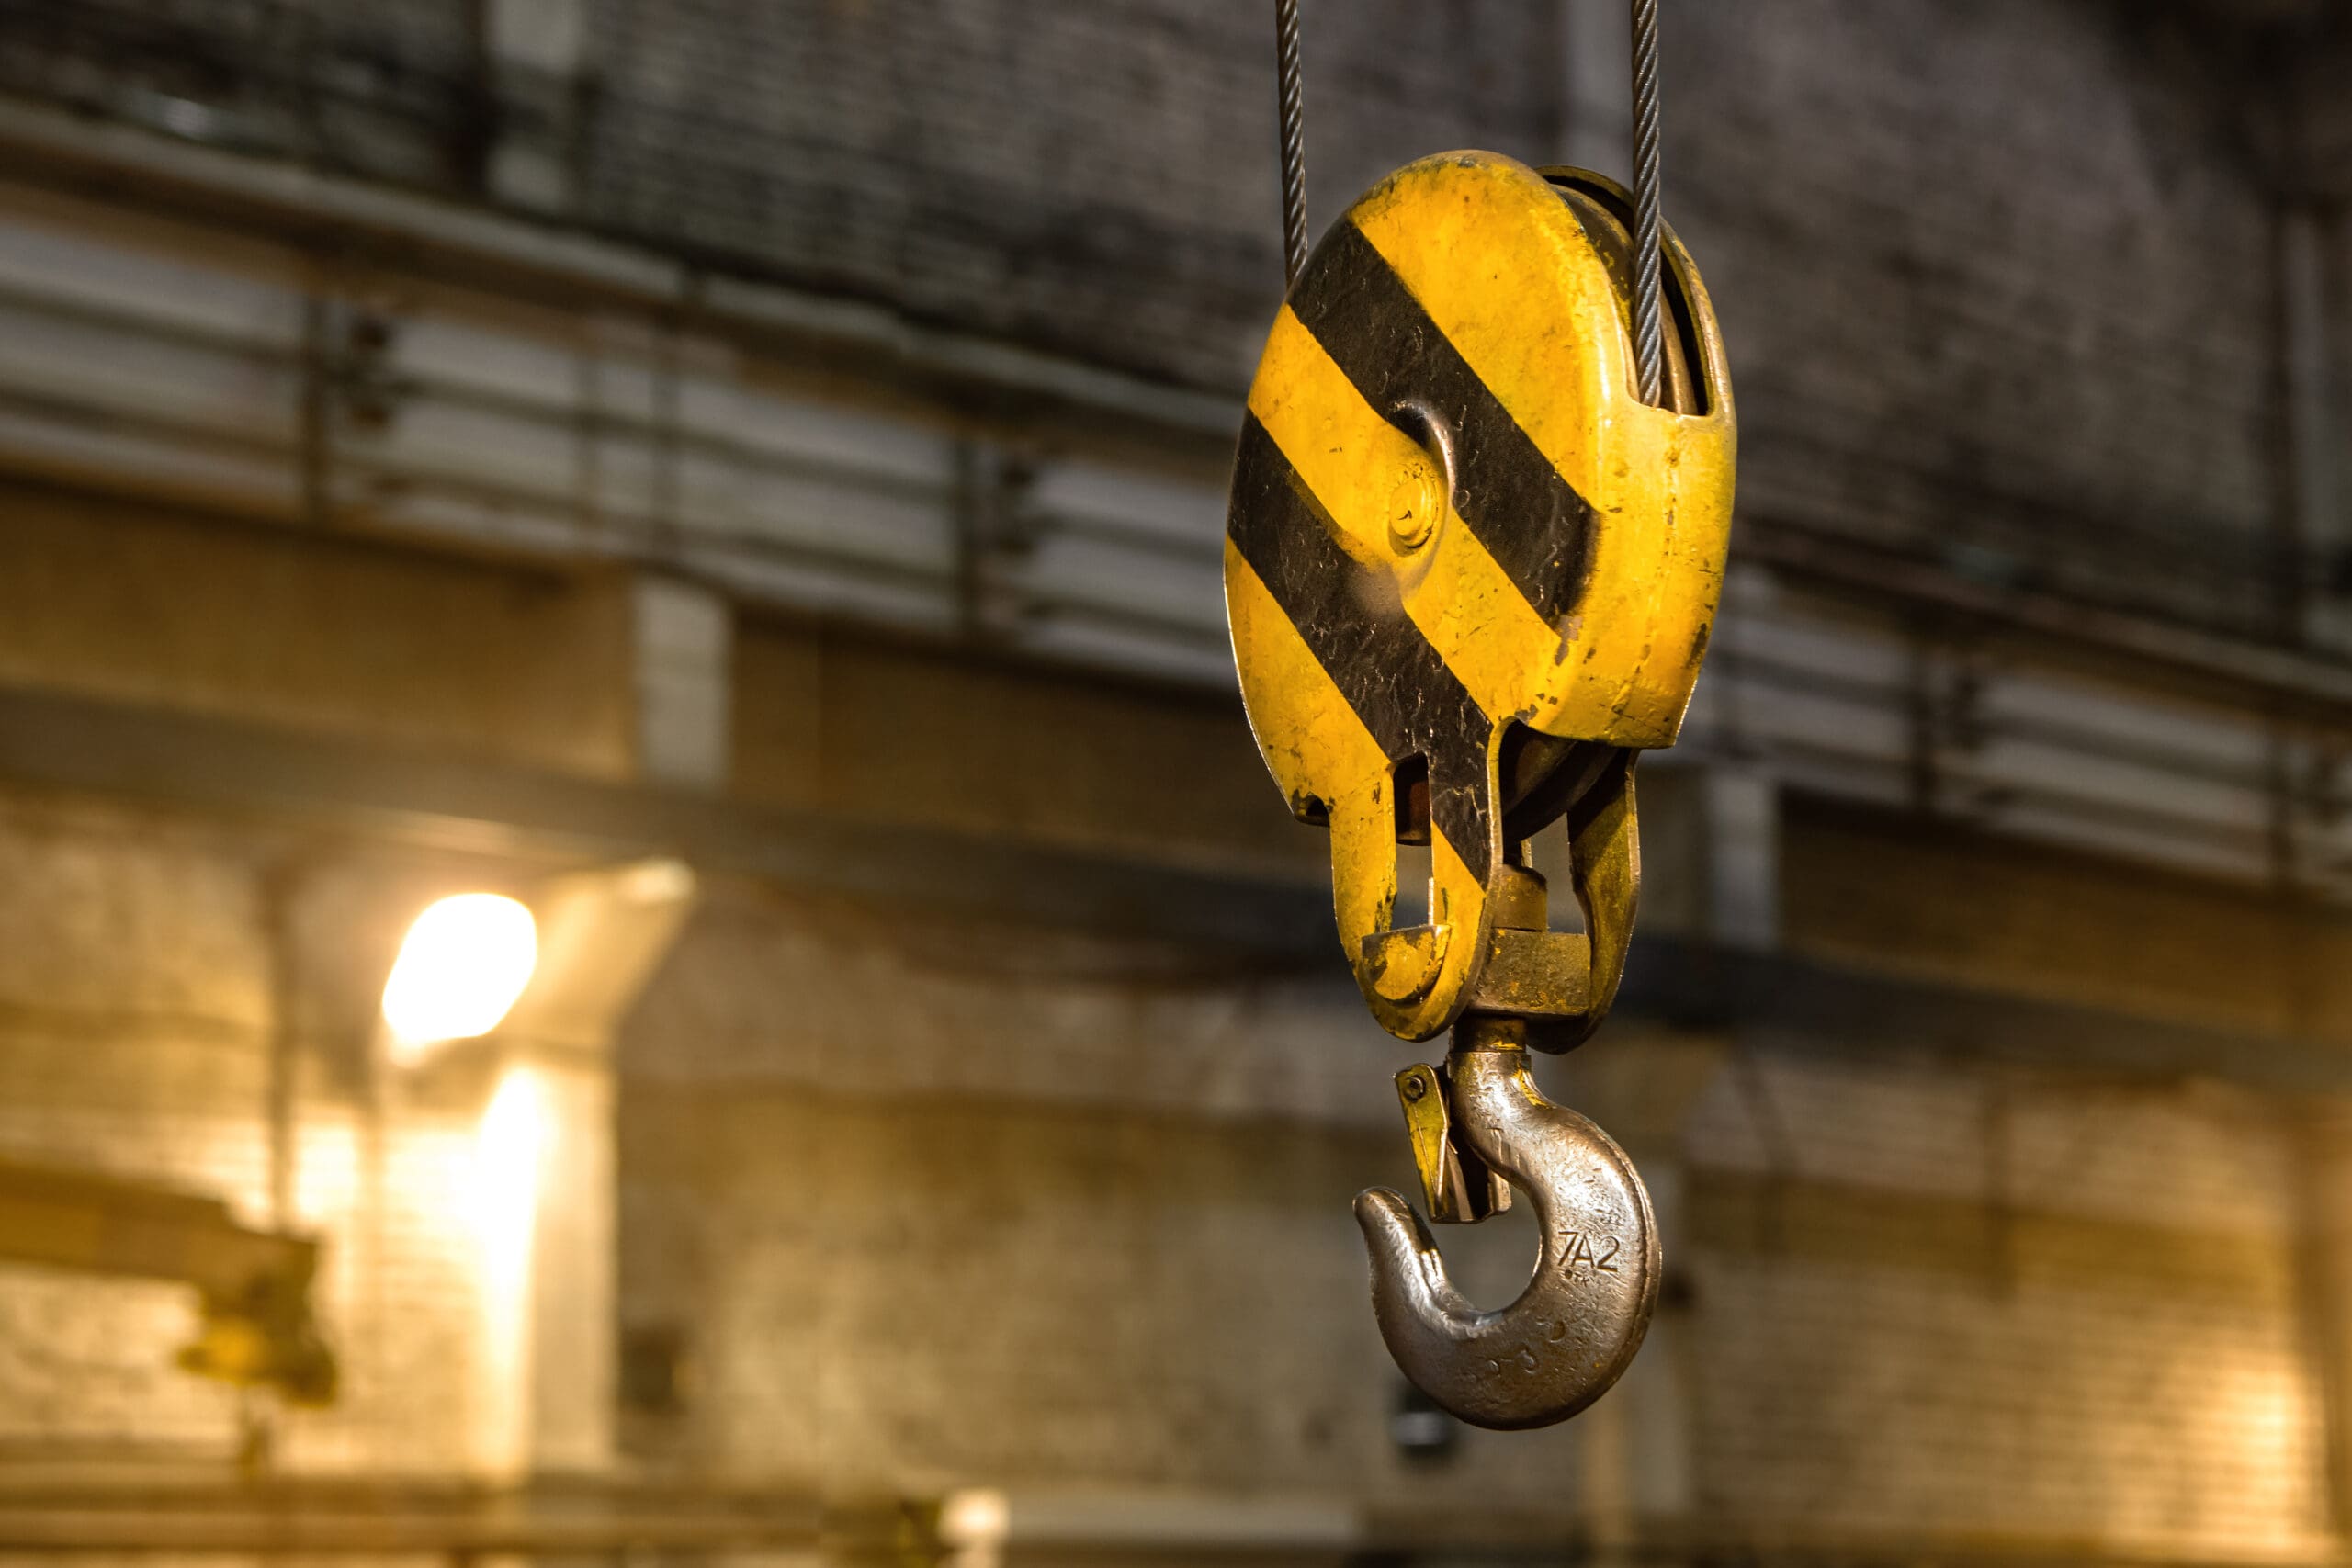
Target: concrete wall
[2063,926]
[145,606]
[929,1203]
[1098,178]
[136,1015]
[918,1203]
[2001,275]
[905,1226]
[915,1227]
[1996,275]
[1998,285]
[2015,1306]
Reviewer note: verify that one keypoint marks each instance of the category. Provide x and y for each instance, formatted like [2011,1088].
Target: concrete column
[536,54]
[1710,876]
[1739,819]
[683,682]
[1711,855]
[1597,86]
[544,1221]
[2324,1274]
[2314,519]
[1634,1448]
[545,1181]
[1635,1453]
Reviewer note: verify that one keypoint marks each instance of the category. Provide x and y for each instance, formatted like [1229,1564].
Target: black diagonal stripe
[1351,621]
[1530,519]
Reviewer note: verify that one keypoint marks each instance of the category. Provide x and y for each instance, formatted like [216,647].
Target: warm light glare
[976,1522]
[463,964]
[510,1147]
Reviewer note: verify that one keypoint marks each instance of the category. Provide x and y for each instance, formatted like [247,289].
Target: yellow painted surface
[1505,269]
[1356,462]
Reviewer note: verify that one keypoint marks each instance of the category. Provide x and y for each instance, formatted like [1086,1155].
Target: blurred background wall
[746,479]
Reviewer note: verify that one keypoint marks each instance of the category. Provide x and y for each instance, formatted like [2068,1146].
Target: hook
[1576,1327]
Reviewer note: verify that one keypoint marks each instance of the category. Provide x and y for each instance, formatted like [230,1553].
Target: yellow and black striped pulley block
[1470,572]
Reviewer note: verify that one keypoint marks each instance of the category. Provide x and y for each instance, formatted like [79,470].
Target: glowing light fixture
[974,1524]
[461,966]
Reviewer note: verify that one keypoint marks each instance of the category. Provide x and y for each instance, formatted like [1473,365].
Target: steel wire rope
[1649,345]
[1291,106]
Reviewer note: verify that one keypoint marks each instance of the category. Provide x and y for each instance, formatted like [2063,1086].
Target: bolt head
[1412,511]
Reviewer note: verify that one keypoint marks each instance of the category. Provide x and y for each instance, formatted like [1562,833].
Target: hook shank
[1578,1324]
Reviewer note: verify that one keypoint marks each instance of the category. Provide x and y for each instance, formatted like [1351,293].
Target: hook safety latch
[1457,1186]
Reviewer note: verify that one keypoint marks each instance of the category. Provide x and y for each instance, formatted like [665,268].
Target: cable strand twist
[1292,102]
[1649,345]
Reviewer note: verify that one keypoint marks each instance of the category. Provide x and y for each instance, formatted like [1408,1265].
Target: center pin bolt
[1412,512]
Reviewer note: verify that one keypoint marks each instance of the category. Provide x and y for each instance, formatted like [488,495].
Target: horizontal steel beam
[1790,1000]
[2274,679]
[284,779]
[340,1518]
[287,778]
[583,1516]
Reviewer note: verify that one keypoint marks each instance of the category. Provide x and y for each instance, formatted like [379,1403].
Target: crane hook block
[1471,574]
[1466,567]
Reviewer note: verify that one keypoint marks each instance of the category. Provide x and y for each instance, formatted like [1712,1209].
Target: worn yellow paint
[1322,755]
[1356,464]
[1505,269]
[1319,752]
[1316,748]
